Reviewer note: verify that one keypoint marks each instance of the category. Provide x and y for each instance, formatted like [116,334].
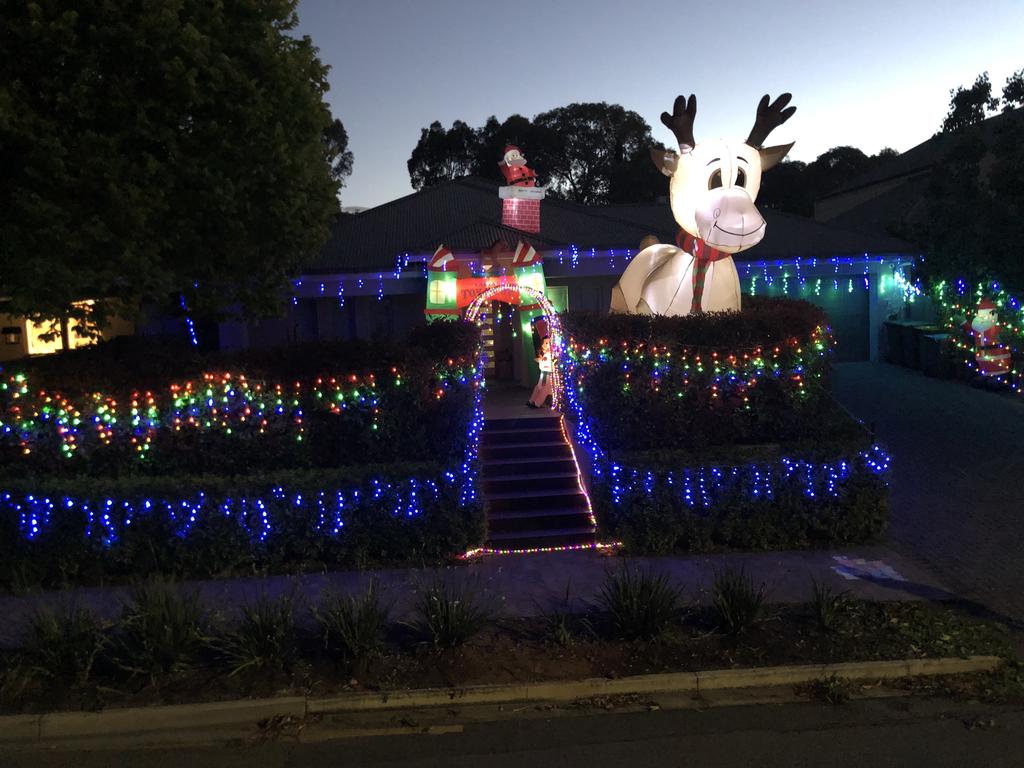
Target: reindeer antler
[680,122]
[769,117]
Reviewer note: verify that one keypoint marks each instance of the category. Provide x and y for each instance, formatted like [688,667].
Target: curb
[149,720]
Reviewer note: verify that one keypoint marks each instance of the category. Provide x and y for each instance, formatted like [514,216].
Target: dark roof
[465,215]
[921,158]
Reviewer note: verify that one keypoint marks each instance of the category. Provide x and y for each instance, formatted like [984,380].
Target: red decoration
[993,358]
[514,169]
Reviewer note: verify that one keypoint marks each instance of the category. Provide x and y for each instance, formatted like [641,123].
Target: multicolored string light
[957,303]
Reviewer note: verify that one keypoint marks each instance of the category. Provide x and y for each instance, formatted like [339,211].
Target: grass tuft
[263,639]
[448,616]
[641,604]
[352,626]
[160,630]
[738,602]
[827,605]
[63,645]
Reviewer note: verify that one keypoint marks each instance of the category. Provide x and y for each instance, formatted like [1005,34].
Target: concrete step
[525,501]
[556,518]
[562,537]
[527,465]
[521,436]
[537,483]
[540,450]
[525,422]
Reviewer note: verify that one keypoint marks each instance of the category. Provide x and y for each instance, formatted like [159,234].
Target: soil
[554,648]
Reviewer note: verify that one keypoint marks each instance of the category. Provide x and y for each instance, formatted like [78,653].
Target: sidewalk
[530,585]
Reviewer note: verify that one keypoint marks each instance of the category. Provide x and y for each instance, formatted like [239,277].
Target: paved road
[958,477]
[876,733]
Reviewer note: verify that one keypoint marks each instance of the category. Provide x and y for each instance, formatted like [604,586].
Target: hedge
[315,405]
[206,526]
[220,502]
[652,382]
[718,431]
[755,506]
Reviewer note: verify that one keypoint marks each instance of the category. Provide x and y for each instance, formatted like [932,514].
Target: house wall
[13,351]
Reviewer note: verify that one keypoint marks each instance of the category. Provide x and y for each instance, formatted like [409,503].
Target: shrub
[62,645]
[352,626]
[832,689]
[655,510]
[738,603]
[827,605]
[448,616]
[641,604]
[562,625]
[264,637]
[159,633]
[295,530]
[280,408]
[648,382]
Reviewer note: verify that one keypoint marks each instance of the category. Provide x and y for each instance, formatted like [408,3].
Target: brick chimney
[521,214]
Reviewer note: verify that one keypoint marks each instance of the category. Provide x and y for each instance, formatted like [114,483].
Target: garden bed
[718,431]
[557,647]
[313,457]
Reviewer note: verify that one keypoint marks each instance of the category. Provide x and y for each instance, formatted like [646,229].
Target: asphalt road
[878,733]
[958,464]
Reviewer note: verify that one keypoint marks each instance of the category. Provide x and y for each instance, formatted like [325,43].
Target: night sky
[869,74]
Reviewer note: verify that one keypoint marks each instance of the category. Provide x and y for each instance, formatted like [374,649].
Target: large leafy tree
[975,210]
[442,154]
[968,106]
[1013,91]
[590,153]
[159,151]
[602,154]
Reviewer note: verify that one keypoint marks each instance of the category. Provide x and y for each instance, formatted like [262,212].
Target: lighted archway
[476,306]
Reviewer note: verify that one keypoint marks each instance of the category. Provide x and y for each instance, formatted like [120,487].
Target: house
[891,198]
[372,277]
[21,337]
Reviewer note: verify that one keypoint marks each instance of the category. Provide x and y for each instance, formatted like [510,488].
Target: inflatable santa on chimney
[520,197]
[514,169]
[993,359]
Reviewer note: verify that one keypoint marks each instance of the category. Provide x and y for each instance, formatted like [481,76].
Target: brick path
[958,477]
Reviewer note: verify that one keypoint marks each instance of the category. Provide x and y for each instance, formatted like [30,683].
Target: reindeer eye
[741,178]
[715,180]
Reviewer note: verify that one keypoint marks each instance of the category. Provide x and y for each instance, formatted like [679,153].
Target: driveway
[958,476]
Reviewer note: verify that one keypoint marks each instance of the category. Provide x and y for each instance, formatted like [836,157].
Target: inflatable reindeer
[712,191]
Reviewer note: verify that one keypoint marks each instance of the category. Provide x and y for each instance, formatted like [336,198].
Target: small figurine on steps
[542,391]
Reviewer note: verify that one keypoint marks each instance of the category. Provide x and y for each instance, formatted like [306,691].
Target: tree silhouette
[968,106]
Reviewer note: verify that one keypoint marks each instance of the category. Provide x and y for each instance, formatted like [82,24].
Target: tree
[442,155]
[975,210]
[153,151]
[968,106]
[493,137]
[1013,91]
[787,187]
[602,154]
[339,156]
[590,153]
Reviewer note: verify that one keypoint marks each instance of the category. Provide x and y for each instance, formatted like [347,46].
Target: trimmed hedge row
[211,526]
[223,504]
[663,513]
[764,321]
[726,378]
[717,431]
[389,422]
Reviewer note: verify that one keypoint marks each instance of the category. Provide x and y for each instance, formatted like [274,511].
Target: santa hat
[439,261]
[511,148]
[986,304]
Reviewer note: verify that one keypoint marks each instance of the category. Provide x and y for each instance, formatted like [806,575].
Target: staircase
[531,490]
